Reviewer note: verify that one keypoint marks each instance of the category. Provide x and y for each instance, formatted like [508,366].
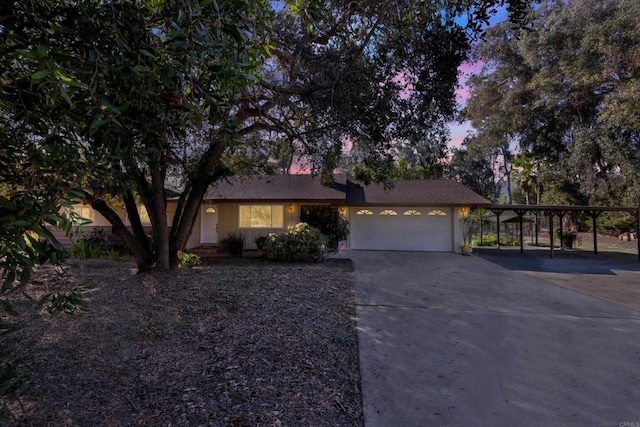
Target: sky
[460,130]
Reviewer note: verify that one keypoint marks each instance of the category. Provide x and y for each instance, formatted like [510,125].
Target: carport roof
[432,192]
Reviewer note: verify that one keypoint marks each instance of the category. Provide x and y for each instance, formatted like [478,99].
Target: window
[437,212]
[388,212]
[412,212]
[261,216]
[83,211]
[364,212]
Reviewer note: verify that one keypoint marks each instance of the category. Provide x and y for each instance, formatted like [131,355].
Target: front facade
[412,215]
[416,215]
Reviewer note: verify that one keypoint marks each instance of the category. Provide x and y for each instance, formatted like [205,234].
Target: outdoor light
[290,207]
[210,210]
[464,210]
[343,209]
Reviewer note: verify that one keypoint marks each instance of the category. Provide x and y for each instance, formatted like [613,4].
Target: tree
[131,81]
[473,171]
[563,93]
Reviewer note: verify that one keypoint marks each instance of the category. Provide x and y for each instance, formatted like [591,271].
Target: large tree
[203,88]
[564,94]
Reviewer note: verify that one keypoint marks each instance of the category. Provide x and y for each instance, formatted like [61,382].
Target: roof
[439,192]
[277,187]
[432,192]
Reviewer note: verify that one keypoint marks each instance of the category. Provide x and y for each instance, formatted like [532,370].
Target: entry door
[209,224]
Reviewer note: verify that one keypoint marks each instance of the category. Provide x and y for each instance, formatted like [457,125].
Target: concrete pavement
[452,340]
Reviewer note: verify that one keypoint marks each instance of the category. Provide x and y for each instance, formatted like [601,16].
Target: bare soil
[233,343]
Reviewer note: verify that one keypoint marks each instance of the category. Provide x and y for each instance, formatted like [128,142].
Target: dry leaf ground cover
[235,342]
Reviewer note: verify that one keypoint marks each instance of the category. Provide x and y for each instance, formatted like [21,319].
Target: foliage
[612,223]
[190,260]
[140,92]
[562,96]
[261,242]
[92,244]
[569,238]
[487,240]
[233,244]
[299,243]
[69,302]
[468,227]
[475,172]
[331,224]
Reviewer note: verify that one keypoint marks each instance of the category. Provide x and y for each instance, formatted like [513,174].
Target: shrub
[189,260]
[488,240]
[300,243]
[261,242]
[92,244]
[330,223]
[233,244]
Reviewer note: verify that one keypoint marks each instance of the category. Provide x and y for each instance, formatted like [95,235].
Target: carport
[560,211]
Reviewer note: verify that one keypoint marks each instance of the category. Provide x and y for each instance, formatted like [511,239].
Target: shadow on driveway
[571,262]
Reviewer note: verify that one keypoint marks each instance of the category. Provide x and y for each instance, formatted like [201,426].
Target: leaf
[38,75]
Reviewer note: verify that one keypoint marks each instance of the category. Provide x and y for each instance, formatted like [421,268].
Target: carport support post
[636,215]
[560,215]
[550,215]
[521,213]
[498,212]
[537,225]
[594,217]
[638,232]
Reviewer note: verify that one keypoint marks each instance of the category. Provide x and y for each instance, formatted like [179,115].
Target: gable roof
[277,187]
[437,192]
[423,192]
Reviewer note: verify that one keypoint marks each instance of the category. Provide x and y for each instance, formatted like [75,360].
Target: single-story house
[412,215]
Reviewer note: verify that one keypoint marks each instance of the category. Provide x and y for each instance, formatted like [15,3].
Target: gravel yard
[232,343]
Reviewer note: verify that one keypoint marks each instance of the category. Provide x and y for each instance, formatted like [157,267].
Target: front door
[209,224]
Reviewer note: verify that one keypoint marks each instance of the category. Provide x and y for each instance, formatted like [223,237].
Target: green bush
[488,240]
[261,242]
[569,239]
[233,244]
[92,244]
[189,260]
[330,223]
[300,243]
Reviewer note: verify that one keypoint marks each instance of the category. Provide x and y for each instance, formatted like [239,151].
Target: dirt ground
[233,343]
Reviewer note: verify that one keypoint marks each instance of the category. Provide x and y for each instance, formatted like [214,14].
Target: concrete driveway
[452,340]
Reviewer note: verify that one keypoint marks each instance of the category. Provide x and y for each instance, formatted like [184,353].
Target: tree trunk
[144,258]
[158,215]
[209,170]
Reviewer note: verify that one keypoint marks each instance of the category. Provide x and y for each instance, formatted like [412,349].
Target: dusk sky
[460,130]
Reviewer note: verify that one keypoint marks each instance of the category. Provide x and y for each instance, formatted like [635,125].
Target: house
[414,215]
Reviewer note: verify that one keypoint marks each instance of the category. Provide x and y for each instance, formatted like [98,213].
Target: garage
[401,228]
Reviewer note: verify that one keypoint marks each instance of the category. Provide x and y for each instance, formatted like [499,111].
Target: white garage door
[401,228]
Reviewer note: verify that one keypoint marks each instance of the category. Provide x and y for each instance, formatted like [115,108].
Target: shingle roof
[437,192]
[278,187]
[432,192]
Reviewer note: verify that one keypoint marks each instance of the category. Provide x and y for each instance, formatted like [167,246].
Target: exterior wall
[194,238]
[228,221]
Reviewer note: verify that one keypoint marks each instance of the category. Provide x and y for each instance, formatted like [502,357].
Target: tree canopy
[155,94]
[562,97]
